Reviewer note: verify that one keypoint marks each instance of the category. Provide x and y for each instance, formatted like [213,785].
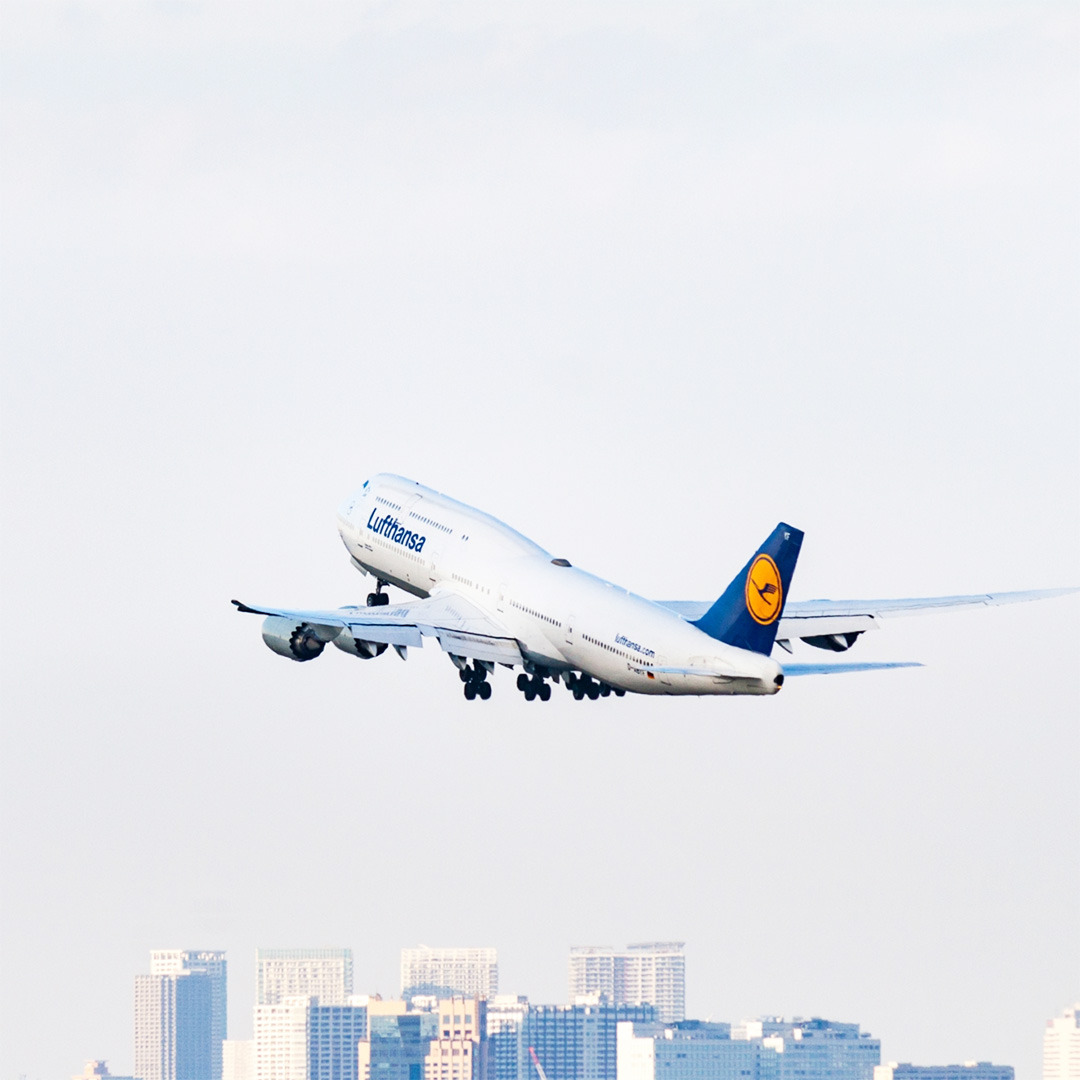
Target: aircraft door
[663,676]
[434,555]
[413,571]
[571,622]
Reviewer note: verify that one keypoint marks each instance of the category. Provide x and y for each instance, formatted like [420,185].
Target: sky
[640,280]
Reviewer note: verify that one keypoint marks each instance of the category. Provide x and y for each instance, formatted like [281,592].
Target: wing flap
[499,650]
[803,626]
[386,633]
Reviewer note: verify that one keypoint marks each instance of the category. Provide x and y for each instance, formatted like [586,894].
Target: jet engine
[366,650]
[833,642]
[297,641]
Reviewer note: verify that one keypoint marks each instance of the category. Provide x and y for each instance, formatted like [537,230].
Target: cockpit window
[560,562]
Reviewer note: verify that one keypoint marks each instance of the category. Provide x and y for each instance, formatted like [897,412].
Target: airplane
[491,596]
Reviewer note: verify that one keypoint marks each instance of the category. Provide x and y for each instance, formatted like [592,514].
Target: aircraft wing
[460,626]
[834,624]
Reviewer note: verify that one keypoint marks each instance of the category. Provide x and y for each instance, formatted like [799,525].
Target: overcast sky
[641,280]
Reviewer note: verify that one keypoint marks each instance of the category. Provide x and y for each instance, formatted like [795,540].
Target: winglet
[247,610]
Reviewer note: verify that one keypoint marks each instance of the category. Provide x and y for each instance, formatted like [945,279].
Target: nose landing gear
[378,598]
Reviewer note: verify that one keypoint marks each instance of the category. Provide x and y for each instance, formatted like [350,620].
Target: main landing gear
[533,687]
[475,680]
[585,686]
[378,598]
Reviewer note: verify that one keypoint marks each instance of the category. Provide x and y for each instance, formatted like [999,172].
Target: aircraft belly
[543,653]
[390,578]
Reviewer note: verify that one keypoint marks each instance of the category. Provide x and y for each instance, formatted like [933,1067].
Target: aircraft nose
[348,507]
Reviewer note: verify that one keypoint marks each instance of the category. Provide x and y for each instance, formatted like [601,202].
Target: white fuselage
[563,618]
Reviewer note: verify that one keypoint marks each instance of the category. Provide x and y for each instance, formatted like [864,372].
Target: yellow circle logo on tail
[764,592]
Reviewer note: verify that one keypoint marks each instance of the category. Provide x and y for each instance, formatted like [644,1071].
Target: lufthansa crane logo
[764,592]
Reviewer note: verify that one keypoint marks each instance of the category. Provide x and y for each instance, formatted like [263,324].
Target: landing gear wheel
[522,682]
[470,691]
[484,690]
[604,689]
[544,692]
[465,673]
[529,692]
[373,599]
[593,691]
[579,691]
[619,693]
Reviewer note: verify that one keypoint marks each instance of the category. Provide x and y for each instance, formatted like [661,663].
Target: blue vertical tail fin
[747,613]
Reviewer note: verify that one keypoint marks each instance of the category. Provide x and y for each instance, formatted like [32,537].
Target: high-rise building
[1061,1046]
[285,973]
[299,1038]
[445,973]
[174,1026]
[653,973]
[460,1049]
[578,1042]
[506,1036]
[970,1070]
[692,1050]
[592,971]
[238,1059]
[399,1037]
[815,1049]
[210,962]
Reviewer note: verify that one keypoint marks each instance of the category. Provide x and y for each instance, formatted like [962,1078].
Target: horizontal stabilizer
[843,669]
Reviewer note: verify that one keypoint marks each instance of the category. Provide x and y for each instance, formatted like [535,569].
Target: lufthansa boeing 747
[491,596]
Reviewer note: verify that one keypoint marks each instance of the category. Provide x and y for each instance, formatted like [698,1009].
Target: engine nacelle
[833,642]
[297,641]
[366,650]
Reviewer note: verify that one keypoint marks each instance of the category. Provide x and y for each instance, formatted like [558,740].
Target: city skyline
[299,1035]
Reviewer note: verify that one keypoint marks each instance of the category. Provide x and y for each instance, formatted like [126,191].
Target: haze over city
[641,281]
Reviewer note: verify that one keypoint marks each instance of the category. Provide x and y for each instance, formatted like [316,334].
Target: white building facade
[449,972]
[326,974]
[238,1059]
[693,1050]
[653,973]
[173,1028]
[815,1049]
[299,1038]
[1061,1046]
